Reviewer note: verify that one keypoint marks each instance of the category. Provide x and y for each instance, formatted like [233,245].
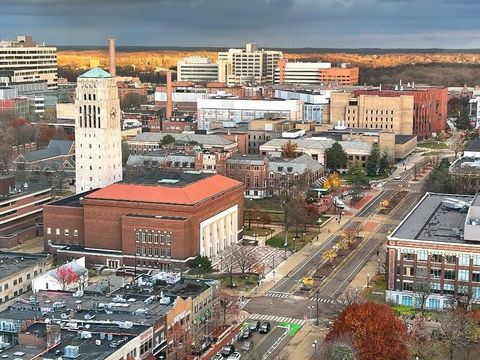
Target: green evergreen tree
[336,157]
[373,161]
[202,264]
[384,166]
[356,174]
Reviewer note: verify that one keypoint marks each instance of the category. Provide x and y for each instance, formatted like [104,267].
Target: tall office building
[23,62]
[250,65]
[98,150]
[197,69]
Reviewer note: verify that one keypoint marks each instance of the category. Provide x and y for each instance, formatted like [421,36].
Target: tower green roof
[96,73]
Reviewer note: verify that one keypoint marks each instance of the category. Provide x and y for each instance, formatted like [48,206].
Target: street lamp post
[293,244]
[368,279]
[255,237]
[303,238]
[314,346]
[135,264]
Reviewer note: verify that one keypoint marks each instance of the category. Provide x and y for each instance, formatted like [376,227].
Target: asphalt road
[287,284]
[335,284]
[263,343]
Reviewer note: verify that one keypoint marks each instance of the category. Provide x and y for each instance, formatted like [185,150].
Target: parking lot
[264,346]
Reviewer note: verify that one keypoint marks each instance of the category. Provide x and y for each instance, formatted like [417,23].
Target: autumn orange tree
[332,182]
[377,333]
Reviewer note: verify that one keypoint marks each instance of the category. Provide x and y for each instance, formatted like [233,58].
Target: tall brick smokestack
[169,109]
[111,52]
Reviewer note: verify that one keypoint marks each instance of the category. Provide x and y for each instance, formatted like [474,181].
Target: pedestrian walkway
[278,294]
[323,300]
[264,317]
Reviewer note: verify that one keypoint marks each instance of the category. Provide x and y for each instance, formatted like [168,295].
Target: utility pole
[317,323]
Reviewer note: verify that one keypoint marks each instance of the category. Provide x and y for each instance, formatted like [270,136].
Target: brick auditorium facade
[158,221]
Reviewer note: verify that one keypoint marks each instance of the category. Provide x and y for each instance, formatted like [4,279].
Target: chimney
[111,51]
[168,112]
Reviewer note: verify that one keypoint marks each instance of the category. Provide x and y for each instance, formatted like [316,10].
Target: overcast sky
[271,23]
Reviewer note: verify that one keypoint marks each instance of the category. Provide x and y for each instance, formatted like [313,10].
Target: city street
[285,301]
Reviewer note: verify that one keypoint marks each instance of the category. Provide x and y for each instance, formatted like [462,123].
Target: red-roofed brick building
[161,220]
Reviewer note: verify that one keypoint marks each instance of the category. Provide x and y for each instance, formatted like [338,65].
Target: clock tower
[98,143]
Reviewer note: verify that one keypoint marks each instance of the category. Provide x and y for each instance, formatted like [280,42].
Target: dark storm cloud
[272,23]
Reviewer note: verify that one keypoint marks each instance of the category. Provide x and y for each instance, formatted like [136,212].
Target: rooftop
[186,188]
[321,143]
[55,148]
[403,139]
[466,165]
[204,139]
[22,189]
[474,145]
[88,349]
[95,73]
[125,305]
[12,263]
[73,200]
[434,220]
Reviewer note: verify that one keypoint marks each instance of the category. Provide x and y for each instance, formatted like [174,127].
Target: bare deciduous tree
[246,259]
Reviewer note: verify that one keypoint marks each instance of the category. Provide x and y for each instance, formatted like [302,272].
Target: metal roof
[95,73]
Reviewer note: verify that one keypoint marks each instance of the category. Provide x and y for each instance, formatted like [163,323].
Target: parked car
[265,328]
[227,350]
[253,326]
[398,177]
[247,345]
[217,356]
[246,334]
[235,356]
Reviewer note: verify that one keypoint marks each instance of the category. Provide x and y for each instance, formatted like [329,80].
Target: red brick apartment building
[433,255]
[158,221]
[429,107]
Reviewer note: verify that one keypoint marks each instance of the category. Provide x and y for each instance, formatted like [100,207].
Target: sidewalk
[300,346]
[293,260]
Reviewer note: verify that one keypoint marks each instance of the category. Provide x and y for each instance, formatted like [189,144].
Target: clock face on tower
[113,113]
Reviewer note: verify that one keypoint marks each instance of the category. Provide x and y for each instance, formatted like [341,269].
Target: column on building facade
[234,227]
[213,238]
[228,231]
[221,235]
[206,237]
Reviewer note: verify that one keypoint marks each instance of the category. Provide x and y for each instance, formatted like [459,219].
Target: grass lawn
[431,144]
[278,240]
[377,291]
[239,280]
[268,204]
[260,231]
[402,310]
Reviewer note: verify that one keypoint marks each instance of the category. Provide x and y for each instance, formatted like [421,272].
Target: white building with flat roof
[233,111]
[301,72]
[197,69]
[24,62]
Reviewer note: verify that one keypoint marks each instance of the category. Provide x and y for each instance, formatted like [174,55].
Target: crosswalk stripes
[322,300]
[278,295]
[264,317]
